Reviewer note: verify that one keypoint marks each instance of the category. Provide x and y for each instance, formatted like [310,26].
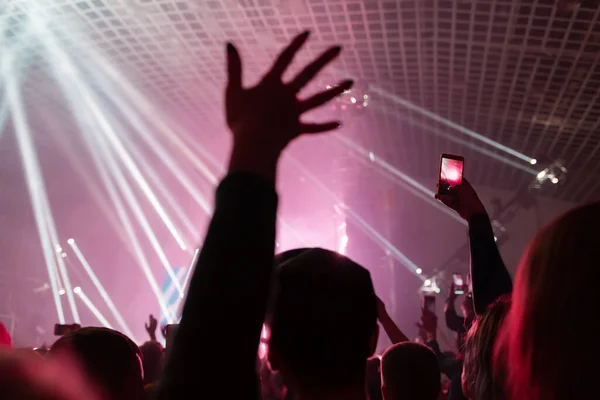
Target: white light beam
[88,303]
[101,290]
[35,183]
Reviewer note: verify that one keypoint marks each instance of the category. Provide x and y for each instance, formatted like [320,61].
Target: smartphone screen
[459,284]
[451,172]
[429,303]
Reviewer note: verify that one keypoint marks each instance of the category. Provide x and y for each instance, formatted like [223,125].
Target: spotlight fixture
[554,174]
[430,285]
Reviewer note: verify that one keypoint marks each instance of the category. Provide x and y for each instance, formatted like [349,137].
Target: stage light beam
[88,303]
[35,183]
[108,137]
[420,110]
[103,293]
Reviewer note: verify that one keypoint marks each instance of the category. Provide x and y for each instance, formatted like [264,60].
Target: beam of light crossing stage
[420,110]
[125,221]
[136,208]
[100,288]
[143,131]
[427,196]
[47,37]
[191,268]
[400,177]
[462,142]
[72,155]
[90,141]
[145,107]
[88,303]
[106,137]
[132,168]
[155,179]
[176,307]
[34,179]
[60,262]
[384,243]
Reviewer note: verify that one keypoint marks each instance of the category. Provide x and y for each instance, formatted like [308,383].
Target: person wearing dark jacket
[225,306]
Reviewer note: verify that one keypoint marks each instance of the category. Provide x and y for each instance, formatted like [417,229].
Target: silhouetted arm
[388,324]
[226,302]
[489,276]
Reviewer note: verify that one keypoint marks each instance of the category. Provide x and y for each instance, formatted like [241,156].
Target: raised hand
[266,117]
[451,294]
[151,327]
[463,199]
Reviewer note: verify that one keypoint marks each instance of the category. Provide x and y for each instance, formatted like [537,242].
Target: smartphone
[63,329]
[429,303]
[451,172]
[171,332]
[459,283]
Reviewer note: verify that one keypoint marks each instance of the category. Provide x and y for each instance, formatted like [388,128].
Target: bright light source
[76,289]
[343,244]
[64,255]
[353,99]
[541,175]
[71,241]
[533,161]
[419,271]
[495,239]
[427,282]
[554,180]
[365,104]
[371,156]
[61,292]
[265,334]
[262,350]
[437,289]
[58,249]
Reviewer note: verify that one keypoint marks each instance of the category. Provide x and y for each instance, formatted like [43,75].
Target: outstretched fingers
[319,128]
[287,55]
[234,69]
[312,69]
[324,96]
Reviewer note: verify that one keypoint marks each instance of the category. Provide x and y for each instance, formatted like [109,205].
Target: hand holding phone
[451,172]
[429,303]
[459,283]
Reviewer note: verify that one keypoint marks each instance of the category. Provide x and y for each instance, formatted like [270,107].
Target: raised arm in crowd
[214,353]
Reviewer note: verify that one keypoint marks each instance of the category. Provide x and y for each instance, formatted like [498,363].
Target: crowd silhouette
[320,308]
